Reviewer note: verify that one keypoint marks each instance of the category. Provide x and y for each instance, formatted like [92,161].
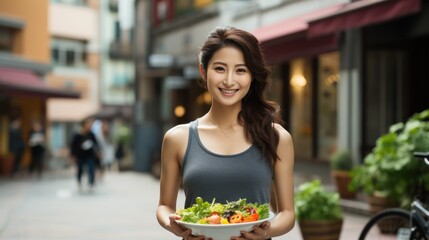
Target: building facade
[117,76]
[24,68]
[375,82]
[344,71]
[75,57]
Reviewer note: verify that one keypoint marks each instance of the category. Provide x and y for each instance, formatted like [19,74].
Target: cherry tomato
[251,218]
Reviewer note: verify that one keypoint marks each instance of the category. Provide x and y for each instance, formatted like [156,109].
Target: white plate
[222,231]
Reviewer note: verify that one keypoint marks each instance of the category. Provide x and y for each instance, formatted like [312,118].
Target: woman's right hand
[180,231]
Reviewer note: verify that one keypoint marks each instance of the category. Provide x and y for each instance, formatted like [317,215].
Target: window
[117,31]
[313,105]
[328,77]
[120,81]
[70,53]
[6,39]
[384,96]
[301,107]
[71,2]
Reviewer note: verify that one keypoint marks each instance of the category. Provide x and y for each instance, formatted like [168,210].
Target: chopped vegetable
[203,212]
[236,218]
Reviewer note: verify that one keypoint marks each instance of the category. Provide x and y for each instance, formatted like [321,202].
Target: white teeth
[228,91]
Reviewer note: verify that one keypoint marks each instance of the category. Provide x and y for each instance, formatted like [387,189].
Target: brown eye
[241,70]
[219,69]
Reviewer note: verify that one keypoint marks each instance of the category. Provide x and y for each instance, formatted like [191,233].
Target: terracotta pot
[321,230]
[342,180]
[387,226]
[378,203]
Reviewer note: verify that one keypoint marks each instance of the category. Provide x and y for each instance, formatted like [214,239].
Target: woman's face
[228,78]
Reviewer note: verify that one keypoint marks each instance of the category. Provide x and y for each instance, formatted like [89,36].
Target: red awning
[287,39]
[21,81]
[292,27]
[287,50]
[362,13]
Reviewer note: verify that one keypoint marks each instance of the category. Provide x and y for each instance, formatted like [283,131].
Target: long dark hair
[257,114]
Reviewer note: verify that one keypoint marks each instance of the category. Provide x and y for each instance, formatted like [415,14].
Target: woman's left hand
[259,233]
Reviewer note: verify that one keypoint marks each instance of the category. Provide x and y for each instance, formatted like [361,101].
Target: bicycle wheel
[388,224]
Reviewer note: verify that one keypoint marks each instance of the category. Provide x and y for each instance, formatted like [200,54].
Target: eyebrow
[237,65]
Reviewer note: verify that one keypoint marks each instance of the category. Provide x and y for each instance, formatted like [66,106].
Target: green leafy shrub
[312,202]
[391,169]
[341,160]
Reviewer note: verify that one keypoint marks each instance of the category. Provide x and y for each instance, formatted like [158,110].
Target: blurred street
[346,75]
[122,207]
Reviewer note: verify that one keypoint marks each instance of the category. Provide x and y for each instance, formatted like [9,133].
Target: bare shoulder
[177,133]
[284,135]
[175,142]
[285,152]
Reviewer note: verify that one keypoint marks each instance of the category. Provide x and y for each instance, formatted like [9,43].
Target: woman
[237,149]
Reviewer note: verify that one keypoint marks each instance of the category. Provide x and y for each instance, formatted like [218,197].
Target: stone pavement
[122,207]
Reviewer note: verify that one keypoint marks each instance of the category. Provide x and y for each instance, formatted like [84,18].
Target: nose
[229,80]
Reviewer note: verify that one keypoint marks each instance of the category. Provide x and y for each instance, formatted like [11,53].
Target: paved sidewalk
[122,207]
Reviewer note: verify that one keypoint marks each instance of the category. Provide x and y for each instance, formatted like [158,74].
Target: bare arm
[173,147]
[284,185]
[170,179]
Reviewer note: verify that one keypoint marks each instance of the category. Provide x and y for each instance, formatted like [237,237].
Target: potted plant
[341,165]
[390,170]
[318,212]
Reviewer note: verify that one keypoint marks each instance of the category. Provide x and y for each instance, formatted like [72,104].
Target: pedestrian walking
[37,144]
[84,150]
[16,143]
[107,148]
[238,149]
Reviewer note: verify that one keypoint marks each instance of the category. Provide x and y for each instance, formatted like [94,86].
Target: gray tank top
[224,177]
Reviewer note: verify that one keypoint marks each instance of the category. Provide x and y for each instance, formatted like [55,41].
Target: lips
[228,92]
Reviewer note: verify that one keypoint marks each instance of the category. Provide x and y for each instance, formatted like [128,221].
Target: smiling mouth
[228,91]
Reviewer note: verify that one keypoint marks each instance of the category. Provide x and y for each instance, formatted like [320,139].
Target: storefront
[330,68]
[23,94]
[305,81]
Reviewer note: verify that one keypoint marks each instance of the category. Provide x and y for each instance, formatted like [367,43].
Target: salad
[203,212]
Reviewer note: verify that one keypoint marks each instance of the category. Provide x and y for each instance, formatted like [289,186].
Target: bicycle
[398,222]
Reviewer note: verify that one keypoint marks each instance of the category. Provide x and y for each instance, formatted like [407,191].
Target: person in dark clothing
[36,143]
[84,149]
[16,143]
[119,152]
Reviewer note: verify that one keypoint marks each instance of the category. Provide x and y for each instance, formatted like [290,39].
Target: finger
[192,237]
[186,234]
[249,235]
[262,230]
[263,226]
[177,228]
[237,238]
[266,225]
[174,217]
